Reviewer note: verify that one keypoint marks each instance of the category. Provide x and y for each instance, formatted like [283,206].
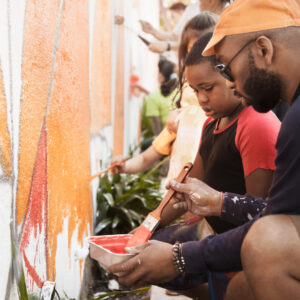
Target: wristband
[168,46]
[178,260]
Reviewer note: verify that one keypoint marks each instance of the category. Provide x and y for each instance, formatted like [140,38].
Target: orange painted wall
[55,96]
[41,19]
[68,131]
[57,114]
[5,143]
[119,98]
[101,66]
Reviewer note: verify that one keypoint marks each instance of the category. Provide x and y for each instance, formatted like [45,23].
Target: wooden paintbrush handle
[111,166]
[180,178]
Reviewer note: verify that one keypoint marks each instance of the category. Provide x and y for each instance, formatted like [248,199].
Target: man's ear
[264,49]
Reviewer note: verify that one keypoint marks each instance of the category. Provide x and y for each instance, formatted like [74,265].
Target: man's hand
[153,264]
[147,27]
[158,47]
[197,197]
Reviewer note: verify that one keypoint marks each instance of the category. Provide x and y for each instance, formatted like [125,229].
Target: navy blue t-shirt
[222,252]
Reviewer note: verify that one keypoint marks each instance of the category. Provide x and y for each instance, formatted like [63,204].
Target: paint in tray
[114,243]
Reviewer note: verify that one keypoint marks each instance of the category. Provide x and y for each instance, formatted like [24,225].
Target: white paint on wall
[100,150]
[67,264]
[5,249]
[16,14]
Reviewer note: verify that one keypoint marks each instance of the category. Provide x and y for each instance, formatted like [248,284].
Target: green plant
[124,200]
[111,295]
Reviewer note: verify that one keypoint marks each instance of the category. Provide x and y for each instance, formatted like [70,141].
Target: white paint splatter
[235,199]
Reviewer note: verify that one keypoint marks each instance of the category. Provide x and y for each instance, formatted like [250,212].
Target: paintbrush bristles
[119,20]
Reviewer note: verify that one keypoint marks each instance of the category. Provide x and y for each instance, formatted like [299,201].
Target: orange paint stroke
[68,126]
[5,143]
[34,231]
[119,98]
[40,25]
[101,66]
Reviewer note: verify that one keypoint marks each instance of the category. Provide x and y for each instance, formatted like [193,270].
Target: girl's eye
[208,89]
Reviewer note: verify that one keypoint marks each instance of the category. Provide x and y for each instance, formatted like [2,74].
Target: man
[258,43]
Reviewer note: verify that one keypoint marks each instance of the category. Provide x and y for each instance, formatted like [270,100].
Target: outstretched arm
[138,163]
[158,34]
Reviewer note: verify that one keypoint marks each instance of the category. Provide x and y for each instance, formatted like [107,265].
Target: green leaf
[118,188]
[128,216]
[116,178]
[103,208]
[109,198]
[103,224]
[104,183]
[136,197]
[135,216]
[115,222]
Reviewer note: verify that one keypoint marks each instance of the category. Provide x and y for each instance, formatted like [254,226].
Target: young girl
[237,150]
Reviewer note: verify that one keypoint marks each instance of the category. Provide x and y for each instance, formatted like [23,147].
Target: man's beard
[263,88]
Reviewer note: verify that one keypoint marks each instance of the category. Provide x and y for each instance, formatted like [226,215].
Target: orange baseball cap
[244,16]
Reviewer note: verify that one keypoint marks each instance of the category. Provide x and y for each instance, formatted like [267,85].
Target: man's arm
[217,252]
[239,209]
[220,253]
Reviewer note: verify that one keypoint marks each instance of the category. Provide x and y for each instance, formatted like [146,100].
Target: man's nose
[230,84]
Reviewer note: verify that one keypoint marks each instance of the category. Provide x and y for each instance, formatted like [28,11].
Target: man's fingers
[136,249]
[135,277]
[179,187]
[132,279]
[124,267]
[181,205]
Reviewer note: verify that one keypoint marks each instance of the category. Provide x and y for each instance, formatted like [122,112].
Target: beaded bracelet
[178,260]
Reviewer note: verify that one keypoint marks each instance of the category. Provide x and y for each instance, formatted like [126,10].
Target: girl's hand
[158,47]
[143,269]
[147,27]
[197,197]
[173,120]
[118,165]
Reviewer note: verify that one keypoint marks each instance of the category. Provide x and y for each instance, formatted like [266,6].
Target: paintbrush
[119,20]
[111,166]
[146,229]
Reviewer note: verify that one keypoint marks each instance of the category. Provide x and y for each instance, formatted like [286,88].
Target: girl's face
[214,97]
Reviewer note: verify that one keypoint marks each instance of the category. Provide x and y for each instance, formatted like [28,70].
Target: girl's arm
[156,125]
[259,182]
[159,34]
[140,162]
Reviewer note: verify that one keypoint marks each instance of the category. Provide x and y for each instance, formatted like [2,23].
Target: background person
[170,40]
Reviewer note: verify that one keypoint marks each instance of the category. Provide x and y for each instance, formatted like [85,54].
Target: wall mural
[63,104]
[52,130]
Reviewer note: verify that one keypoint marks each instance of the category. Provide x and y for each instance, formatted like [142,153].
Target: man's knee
[268,241]
[238,288]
